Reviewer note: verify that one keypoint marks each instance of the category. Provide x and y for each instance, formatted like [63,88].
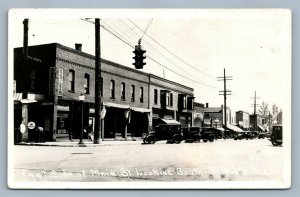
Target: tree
[263,110]
[275,112]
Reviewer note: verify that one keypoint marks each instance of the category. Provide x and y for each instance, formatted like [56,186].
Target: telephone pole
[225,93]
[254,113]
[97,132]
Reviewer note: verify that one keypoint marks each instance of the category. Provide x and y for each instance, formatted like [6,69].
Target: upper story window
[86,83]
[171,99]
[132,93]
[190,103]
[123,91]
[32,79]
[184,102]
[141,94]
[112,89]
[167,98]
[155,96]
[72,80]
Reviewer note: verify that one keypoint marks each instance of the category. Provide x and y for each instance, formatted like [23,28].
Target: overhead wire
[171,51]
[153,48]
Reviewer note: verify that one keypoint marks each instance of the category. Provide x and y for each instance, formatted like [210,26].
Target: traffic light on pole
[139,57]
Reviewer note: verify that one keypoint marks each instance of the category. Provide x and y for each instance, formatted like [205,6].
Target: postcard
[149,98]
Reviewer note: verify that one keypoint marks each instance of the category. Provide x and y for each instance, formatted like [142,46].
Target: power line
[126,42]
[170,61]
[171,51]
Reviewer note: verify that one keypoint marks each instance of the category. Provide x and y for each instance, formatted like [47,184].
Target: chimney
[206,105]
[78,46]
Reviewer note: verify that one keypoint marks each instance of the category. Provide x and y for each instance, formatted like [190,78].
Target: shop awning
[142,110]
[234,128]
[260,128]
[220,129]
[167,121]
[106,104]
[26,101]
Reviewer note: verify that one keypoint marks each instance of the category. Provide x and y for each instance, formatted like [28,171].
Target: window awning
[234,128]
[260,128]
[107,104]
[167,121]
[142,110]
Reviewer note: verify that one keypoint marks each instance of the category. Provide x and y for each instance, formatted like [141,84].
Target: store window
[171,99]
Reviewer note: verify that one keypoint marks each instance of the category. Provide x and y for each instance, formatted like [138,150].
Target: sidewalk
[74,143]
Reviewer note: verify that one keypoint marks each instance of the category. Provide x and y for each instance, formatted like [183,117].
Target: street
[221,160]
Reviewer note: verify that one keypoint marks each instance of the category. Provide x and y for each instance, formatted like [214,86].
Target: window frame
[123,91]
[112,89]
[132,93]
[71,84]
[87,83]
[141,94]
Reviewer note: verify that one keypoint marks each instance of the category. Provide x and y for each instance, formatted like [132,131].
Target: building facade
[243,119]
[214,116]
[48,85]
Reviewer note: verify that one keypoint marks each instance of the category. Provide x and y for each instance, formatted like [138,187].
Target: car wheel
[204,140]
[151,139]
[177,139]
[197,138]
[211,138]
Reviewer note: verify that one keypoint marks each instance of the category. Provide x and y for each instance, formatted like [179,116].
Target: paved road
[221,160]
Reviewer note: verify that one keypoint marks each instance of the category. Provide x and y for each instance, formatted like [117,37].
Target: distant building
[199,114]
[256,122]
[243,119]
[48,85]
[214,116]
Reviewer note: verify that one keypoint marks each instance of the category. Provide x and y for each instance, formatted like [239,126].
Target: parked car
[238,136]
[261,136]
[191,134]
[207,134]
[170,132]
[276,136]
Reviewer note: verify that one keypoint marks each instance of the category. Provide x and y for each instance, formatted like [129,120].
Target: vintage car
[191,134]
[276,136]
[207,134]
[170,132]
[238,136]
[261,135]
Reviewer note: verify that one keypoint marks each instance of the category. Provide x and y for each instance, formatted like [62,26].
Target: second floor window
[141,94]
[71,80]
[86,83]
[184,102]
[123,91]
[112,89]
[167,98]
[171,99]
[132,93]
[155,96]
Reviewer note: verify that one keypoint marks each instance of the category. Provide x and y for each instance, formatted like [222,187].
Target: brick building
[214,116]
[48,85]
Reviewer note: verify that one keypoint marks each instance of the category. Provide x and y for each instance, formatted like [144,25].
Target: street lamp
[81,98]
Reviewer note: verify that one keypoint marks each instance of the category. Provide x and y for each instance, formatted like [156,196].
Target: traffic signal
[139,57]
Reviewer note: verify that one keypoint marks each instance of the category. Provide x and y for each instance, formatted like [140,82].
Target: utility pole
[225,93]
[97,132]
[254,113]
[24,135]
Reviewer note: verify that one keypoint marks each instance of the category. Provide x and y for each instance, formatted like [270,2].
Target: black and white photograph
[149,98]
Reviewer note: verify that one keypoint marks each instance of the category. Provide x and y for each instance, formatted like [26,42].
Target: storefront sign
[31,125]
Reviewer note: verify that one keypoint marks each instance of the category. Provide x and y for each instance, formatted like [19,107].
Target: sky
[192,47]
